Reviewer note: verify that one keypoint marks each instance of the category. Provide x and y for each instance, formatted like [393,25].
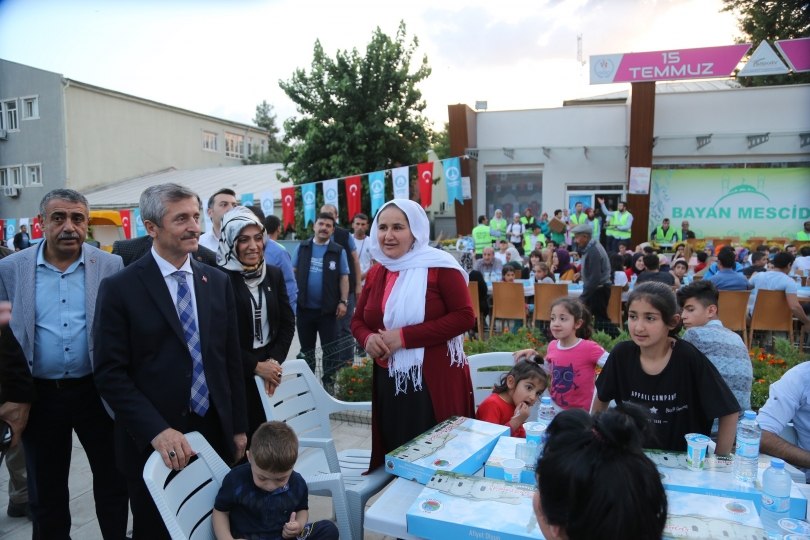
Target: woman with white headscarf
[410,317]
[266,319]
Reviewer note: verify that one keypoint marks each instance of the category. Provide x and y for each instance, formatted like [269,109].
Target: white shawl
[406,303]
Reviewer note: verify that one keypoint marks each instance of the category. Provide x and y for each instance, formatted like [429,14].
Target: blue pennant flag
[376,186]
[247,199]
[308,194]
[140,230]
[452,180]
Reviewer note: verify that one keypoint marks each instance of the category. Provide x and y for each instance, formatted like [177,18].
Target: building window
[250,146]
[264,146]
[30,108]
[514,191]
[234,145]
[34,173]
[210,141]
[10,115]
[3,178]
[15,176]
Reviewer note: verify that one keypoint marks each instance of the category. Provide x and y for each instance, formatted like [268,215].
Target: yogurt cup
[534,431]
[794,526]
[696,445]
[512,469]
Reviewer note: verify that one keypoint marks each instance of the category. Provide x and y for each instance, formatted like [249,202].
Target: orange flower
[354,367]
[360,380]
[353,379]
[351,391]
[762,380]
[350,363]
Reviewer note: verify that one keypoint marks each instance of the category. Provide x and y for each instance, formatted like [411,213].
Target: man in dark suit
[167,352]
[21,239]
[135,248]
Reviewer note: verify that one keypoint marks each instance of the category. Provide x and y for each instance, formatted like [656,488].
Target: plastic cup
[696,445]
[512,469]
[534,431]
[526,452]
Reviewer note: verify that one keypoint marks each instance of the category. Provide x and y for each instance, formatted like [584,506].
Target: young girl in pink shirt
[572,357]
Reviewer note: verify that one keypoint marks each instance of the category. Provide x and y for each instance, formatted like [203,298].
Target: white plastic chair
[482,381]
[185,499]
[305,406]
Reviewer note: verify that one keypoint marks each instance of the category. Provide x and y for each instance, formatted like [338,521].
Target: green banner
[732,202]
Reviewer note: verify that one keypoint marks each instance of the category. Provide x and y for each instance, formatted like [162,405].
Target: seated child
[542,273]
[508,274]
[510,401]
[668,376]
[266,498]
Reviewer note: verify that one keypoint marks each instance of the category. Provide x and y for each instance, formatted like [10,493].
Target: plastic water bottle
[746,460]
[633,278]
[546,412]
[775,496]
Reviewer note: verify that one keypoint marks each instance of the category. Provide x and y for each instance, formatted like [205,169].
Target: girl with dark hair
[617,274]
[572,357]
[511,399]
[682,389]
[595,483]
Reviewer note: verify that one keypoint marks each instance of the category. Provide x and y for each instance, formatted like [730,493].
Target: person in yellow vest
[593,221]
[619,225]
[531,241]
[482,236]
[804,236]
[664,234]
[498,225]
[527,220]
[578,217]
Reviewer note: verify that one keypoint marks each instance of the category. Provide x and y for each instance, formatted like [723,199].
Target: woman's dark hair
[524,369]
[628,259]
[536,253]
[659,296]
[580,313]
[616,265]
[595,481]
[544,267]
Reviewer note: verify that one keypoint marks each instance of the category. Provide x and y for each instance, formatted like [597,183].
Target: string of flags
[10,227]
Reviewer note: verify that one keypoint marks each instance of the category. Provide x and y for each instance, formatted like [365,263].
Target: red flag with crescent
[2,229]
[288,206]
[126,222]
[36,229]
[425,174]
[353,196]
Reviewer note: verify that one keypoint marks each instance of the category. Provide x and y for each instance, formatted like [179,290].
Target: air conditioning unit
[3,134]
[11,192]
[442,206]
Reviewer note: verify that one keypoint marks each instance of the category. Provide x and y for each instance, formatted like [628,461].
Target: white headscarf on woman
[233,222]
[406,303]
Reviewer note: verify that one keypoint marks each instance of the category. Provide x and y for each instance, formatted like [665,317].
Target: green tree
[441,142]
[771,20]
[275,146]
[359,113]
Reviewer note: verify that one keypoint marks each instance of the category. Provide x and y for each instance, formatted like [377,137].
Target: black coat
[16,383]
[142,364]
[282,325]
[135,248]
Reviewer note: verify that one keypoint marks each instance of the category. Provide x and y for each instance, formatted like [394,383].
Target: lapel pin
[268,289]
[205,279]
[199,259]
[92,260]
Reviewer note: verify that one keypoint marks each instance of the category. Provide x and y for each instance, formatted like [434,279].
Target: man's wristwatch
[345,303]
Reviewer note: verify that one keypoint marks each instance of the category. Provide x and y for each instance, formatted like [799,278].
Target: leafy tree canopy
[275,148]
[441,142]
[359,113]
[771,20]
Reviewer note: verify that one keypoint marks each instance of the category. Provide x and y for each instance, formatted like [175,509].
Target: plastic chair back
[482,381]
[614,309]
[473,288]
[732,310]
[780,240]
[185,499]
[771,312]
[508,302]
[544,295]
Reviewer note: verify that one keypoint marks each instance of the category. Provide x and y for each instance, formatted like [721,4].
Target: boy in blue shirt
[265,499]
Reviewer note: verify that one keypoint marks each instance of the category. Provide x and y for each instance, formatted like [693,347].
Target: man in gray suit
[53,290]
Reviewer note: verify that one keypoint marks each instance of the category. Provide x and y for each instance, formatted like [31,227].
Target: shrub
[353,382]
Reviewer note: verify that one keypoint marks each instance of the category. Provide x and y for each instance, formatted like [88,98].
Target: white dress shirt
[207,239]
[166,270]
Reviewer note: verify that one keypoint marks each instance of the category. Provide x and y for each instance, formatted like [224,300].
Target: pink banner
[704,63]
[796,52]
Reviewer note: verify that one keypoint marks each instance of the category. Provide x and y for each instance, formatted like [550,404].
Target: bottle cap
[777,463]
[750,414]
[545,400]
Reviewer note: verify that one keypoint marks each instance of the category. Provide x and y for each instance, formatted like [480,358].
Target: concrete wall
[112,137]
[38,140]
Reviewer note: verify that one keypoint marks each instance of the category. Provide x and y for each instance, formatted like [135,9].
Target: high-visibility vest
[583,217]
[661,236]
[620,221]
[803,236]
[498,225]
[527,242]
[527,223]
[596,229]
[482,238]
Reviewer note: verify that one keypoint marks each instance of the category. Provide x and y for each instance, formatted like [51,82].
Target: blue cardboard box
[458,444]
[505,449]
[706,516]
[717,478]
[461,506]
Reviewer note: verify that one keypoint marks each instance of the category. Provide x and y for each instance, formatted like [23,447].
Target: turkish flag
[2,229]
[36,229]
[288,206]
[425,175]
[353,196]
[126,222]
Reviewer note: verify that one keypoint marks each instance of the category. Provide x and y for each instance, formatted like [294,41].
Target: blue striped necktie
[185,309]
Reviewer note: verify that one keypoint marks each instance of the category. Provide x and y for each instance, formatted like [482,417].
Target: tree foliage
[771,20]
[359,113]
[275,146]
[441,142]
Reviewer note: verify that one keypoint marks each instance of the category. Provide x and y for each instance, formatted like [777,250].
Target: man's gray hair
[69,195]
[153,200]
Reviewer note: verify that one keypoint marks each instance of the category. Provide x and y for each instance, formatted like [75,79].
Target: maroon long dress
[446,390]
